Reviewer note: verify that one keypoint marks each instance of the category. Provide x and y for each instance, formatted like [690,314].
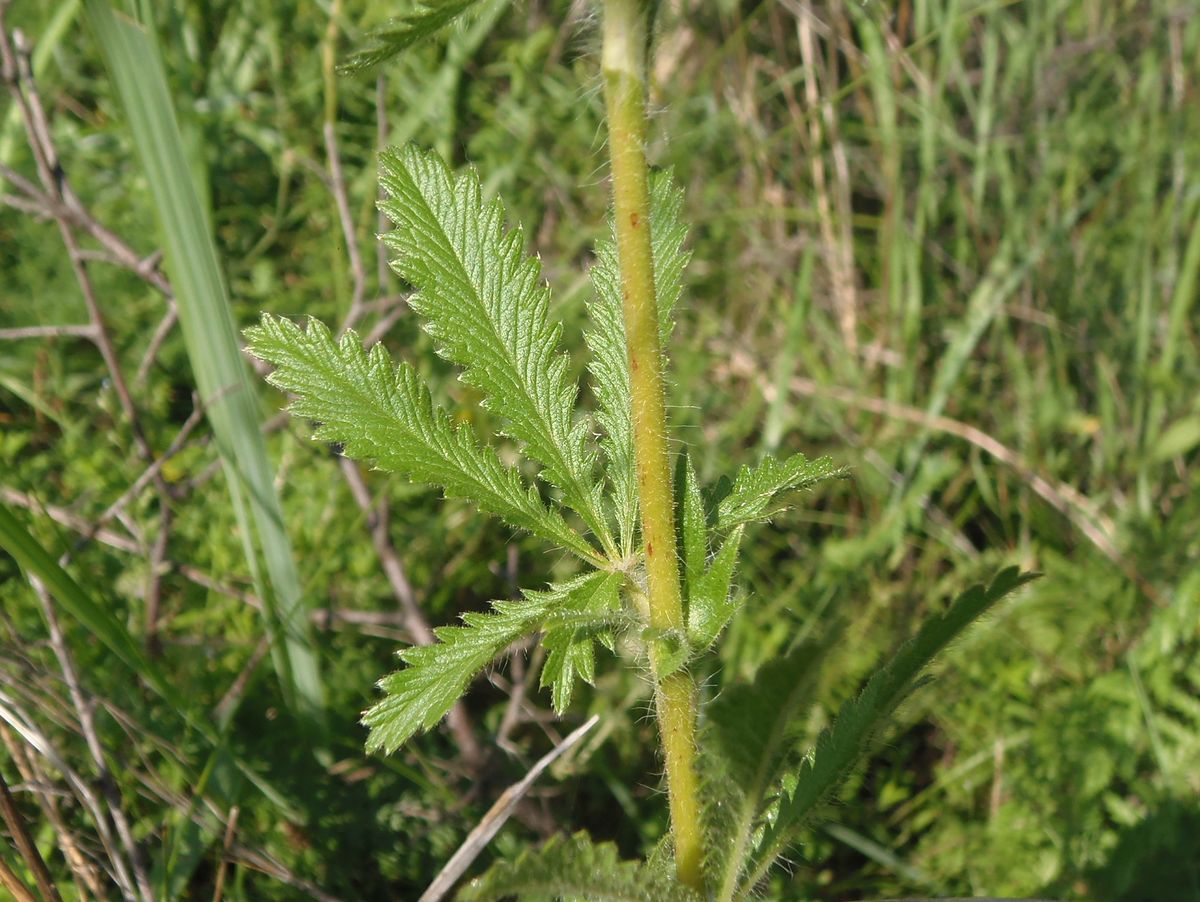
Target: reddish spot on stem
[649,549]
[633,364]
[633,220]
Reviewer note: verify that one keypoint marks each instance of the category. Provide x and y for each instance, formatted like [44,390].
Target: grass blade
[213,350]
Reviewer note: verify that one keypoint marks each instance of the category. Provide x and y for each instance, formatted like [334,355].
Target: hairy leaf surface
[419,696]
[755,494]
[425,18]
[609,368]
[486,306]
[710,604]
[840,748]
[384,413]
[576,868]
[748,734]
[586,614]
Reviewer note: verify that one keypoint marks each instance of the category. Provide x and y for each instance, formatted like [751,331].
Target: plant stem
[623,62]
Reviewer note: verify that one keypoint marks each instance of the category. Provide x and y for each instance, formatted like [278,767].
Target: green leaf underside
[586,614]
[755,494]
[423,20]
[575,867]
[710,604]
[384,413]
[839,748]
[750,728]
[485,305]
[608,366]
[437,675]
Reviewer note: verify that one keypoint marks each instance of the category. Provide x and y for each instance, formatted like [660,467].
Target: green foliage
[575,867]
[588,613]
[840,748]
[486,307]
[706,583]
[384,414]
[751,730]
[1011,192]
[425,18]
[419,696]
[606,340]
[755,493]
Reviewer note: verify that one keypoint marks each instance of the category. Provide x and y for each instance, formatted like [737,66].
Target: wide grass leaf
[206,320]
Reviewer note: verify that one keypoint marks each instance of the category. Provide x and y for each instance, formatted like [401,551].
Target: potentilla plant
[657,562]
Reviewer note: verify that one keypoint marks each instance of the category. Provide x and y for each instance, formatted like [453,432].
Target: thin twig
[85,873]
[87,726]
[26,846]
[24,726]
[84,331]
[496,816]
[230,828]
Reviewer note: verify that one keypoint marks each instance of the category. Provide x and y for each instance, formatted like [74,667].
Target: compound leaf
[749,730]
[706,583]
[419,696]
[485,305]
[588,612]
[755,493]
[840,747]
[608,366]
[576,868]
[384,413]
[425,18]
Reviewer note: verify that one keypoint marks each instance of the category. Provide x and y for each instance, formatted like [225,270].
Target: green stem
[675,695]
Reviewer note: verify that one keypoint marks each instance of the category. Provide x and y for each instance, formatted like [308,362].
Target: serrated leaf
[747,734]
[584,614]
[709,602]
[755,493]
[419,696]
[384,413]
[575,867]
[424,19]
[693,525]
[485,305]
[608,366]
[840,747]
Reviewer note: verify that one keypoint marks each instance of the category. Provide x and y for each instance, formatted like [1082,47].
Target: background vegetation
[954,244]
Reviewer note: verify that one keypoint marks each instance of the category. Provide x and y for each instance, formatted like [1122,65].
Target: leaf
[437,675]
[132,56]
[585,614]
[575,867]
[384,413]
[707,585]
[486,307]
[608,366]
[748,731]
[840,747]
[424,19]
[754,492]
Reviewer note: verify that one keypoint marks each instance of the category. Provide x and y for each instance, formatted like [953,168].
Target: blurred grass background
[955,244]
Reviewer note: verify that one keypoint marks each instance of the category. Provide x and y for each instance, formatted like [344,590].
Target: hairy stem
[675,695]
